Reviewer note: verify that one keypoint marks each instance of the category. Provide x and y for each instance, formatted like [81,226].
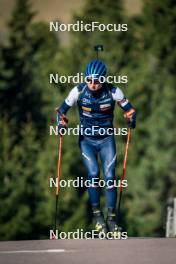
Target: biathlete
[96,102]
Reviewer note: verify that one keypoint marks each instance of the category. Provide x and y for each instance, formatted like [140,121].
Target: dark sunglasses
[92,81]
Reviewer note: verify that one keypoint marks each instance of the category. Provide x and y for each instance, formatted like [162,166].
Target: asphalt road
[130,251]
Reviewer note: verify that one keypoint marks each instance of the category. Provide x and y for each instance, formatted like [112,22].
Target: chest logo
[105,107]
[88,109]
[85,100]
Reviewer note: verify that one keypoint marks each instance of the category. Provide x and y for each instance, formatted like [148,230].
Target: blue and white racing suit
[96,116]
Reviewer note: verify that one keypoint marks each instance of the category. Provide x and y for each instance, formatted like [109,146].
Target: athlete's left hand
[131,117]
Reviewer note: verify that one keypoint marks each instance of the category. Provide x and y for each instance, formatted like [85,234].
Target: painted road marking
[36,251]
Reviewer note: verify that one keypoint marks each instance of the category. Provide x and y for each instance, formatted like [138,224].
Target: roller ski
[114,231]
[99,223]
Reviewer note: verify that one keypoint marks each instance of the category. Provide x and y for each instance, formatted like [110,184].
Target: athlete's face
[94,85]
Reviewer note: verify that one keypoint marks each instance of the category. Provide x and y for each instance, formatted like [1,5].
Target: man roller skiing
[96,102]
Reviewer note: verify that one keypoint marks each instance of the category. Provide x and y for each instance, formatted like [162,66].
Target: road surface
[129,251]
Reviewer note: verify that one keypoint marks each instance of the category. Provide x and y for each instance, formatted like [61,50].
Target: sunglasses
[92,81]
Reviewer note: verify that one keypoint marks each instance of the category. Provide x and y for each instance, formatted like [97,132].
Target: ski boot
[113,230]
[100,224]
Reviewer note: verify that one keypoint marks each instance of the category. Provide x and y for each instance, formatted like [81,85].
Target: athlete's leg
[89,155]
[109,159]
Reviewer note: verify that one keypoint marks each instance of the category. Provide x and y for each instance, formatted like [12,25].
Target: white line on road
[35,251]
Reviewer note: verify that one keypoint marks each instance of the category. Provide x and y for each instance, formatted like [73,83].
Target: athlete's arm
[70,100]
[122,101]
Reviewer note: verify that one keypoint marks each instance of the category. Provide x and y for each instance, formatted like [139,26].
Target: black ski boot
[100,224]
[113,229]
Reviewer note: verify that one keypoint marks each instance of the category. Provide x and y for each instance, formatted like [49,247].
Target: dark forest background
[28,154]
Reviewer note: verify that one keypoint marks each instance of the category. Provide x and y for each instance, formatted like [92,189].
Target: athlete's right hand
[62,120]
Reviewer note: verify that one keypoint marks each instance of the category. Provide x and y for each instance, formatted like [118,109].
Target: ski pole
[124,170]
[64,120]
[58,180]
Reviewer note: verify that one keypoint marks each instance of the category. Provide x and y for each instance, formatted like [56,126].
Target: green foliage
[146,53]
[25,211]
[28,59]
[154,175]
[27,104]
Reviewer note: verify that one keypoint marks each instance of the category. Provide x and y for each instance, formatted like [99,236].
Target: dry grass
[133,6]
[49,10]
[52,9]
